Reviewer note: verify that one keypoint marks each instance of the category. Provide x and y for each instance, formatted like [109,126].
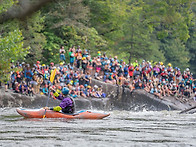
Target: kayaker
[66,105]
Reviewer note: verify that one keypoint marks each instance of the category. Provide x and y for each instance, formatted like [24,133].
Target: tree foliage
[33,36]
[159,30]
[11,43]
[67,22]
[11,49]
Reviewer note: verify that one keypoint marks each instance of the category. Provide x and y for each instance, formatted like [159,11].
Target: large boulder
[137,100]
[10,99]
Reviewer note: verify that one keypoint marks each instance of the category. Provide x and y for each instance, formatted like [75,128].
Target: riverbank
[11,99]
[118,99]
[139,99]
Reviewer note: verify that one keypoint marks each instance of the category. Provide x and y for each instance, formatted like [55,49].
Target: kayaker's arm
[57,108]
[56,94]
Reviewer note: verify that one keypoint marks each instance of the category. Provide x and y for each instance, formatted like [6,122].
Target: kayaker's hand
[46,108]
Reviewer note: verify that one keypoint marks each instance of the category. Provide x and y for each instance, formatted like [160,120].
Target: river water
[120,129]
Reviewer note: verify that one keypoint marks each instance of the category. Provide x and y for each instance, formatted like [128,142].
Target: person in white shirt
[62,53]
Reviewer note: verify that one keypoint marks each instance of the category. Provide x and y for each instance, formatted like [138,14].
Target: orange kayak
[38,113]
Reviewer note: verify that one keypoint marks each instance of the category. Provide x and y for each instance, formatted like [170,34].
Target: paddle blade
[52,75]
[44,116]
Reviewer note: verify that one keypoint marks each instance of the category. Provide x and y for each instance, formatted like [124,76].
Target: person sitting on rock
[73,92]
[45,89]
[173,90]
[87,78]
[155,91]
[148,86]
[97,76]
[194,98]
[82,94]
[23,88]
[30,90]
[187,92]
[16,87]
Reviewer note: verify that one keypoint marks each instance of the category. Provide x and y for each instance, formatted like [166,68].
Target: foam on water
[121,128]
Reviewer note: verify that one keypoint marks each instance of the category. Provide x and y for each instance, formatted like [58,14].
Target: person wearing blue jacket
[45,90]
[28,74]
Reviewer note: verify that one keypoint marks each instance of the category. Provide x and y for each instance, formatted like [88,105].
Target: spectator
[97,76]
[62,53]
[187,92]
[16,88]
[72,55]
[30,90]
[28,74]
[84,64]
[78,56]
[194,98]
[23,88]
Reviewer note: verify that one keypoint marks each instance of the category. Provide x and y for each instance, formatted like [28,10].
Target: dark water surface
[122,129]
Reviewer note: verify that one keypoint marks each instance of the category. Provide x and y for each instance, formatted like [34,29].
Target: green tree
[5,5]
[191,43]
[175,52]
[32,28]
[67,22]
[108,17]
[138,41]
[11,43]
[169,18]
[11,49]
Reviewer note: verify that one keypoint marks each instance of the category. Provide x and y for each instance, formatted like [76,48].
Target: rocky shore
[123,98]
[117,98]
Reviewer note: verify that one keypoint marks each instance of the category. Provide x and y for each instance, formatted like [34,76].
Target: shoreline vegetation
[154,40]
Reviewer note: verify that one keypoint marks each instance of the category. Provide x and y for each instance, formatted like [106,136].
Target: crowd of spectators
[76,74]
[36,80]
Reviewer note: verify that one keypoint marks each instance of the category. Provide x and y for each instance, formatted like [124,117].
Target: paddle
[51,80]
[186,110]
